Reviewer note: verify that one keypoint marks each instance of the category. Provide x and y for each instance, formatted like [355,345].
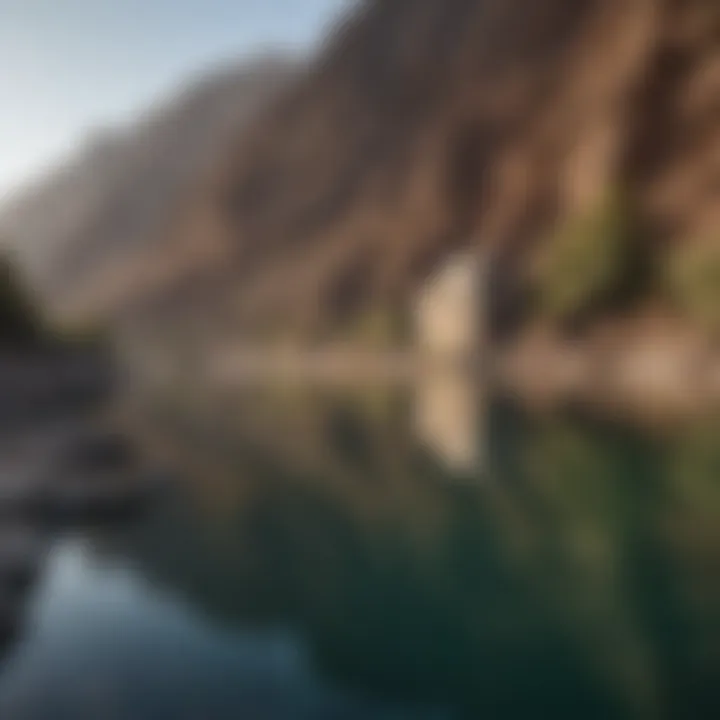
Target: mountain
[426,125]
[422,127]
[85,229]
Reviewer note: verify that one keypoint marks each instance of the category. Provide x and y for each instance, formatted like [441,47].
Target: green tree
[694,282]
[589,263]
[20,323]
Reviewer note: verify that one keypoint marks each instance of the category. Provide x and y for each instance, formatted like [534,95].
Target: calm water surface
[379,557]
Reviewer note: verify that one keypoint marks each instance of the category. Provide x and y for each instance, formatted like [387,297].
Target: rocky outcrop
[421,127]
[424,124]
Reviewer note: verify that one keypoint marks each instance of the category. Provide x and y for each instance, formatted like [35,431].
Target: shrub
[19,320]
[694,281]
[379,326]
[589,263]
[23,326]
[81,337]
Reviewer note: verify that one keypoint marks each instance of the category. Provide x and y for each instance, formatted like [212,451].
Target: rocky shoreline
[37,385]
[58,457]
[643,376]
[648,376]
[62,466]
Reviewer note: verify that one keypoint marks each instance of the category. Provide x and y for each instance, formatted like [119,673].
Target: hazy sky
[67,66]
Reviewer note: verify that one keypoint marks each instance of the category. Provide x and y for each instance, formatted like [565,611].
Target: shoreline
[650,378]
[37,384]
[647,379]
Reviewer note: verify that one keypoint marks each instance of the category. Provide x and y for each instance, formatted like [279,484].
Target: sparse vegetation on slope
[590,263]
[694,272]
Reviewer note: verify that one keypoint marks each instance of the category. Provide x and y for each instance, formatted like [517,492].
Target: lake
[379,554]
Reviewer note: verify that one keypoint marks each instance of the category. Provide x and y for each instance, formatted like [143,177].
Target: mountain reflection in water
[323,560]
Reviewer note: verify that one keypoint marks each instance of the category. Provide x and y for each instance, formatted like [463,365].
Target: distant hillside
[94,217]
[578,139]
[428,124]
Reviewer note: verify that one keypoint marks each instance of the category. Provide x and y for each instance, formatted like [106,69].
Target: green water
[324,560]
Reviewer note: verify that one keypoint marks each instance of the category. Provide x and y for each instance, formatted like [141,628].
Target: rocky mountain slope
[93,219]
[425,125]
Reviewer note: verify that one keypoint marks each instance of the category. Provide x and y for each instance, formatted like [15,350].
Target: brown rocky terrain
[422,126]
[429,124]
[88,226]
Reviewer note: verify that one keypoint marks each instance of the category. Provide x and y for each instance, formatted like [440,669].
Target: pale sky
[68,66]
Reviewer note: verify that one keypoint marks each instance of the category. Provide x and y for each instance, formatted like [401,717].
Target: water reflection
[450,412]
[108,644]
[321,563]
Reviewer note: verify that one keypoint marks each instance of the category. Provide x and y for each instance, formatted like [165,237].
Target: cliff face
[422,126]
[20,326]
[428,124]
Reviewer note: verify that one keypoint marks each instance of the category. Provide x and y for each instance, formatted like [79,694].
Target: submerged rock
[98,451]
[36,387]
[23,545]
[105,496]
[74,474]
[21,550]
